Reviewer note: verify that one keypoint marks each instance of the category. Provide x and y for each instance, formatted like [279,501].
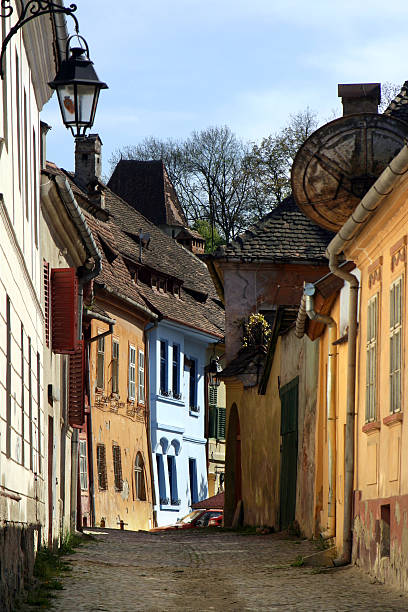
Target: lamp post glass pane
[66,95]
[86,95]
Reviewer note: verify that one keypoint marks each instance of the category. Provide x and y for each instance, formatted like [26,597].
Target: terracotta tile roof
[146,186]
[285,235]
[216,502]
[398,108]
[117,239]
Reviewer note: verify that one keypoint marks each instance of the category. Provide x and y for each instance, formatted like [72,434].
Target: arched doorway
[233,470]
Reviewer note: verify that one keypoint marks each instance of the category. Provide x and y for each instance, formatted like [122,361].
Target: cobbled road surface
[196,570]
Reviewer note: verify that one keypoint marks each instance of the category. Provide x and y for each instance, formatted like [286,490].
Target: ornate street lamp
[76,83]
[78,88]
[213,369]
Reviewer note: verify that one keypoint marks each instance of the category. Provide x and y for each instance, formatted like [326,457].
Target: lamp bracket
[30,10]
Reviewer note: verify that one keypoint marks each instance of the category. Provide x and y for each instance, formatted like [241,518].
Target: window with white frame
[83,465]
[395,344]
[371,355]
[100,364]
[163,367]
[176,371]
[132,372]
[115,366]
[141,378]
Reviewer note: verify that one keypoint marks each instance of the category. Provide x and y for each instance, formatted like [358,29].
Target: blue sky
[175,67]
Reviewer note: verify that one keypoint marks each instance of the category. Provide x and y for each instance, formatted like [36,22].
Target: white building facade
[29,63]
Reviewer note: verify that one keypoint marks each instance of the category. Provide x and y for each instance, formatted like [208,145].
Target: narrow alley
[195,570]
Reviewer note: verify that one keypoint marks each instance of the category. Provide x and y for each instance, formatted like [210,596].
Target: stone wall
[18,547]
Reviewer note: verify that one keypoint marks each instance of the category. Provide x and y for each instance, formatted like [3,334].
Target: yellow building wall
[117,420]
[259,417]
[380,252]
[321,461]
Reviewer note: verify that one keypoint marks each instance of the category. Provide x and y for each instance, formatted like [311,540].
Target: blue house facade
[177,407]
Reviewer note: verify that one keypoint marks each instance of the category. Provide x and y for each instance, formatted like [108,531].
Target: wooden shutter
[46,275]
[76,399]
[221,423]
[64,300]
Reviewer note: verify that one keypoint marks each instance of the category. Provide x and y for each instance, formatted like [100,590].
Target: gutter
[381,189]
[308,303]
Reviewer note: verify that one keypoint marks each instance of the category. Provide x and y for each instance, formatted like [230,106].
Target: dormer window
[162,285]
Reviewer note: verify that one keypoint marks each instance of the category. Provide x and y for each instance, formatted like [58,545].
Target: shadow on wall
[203,491]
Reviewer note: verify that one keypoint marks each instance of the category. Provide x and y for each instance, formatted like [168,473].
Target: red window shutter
[64,313]
[46,274]
[76,388]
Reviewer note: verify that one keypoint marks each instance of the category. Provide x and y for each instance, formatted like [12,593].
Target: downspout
[308,309]
[368,205]
[149,434]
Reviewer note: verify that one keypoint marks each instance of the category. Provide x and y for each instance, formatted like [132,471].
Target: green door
[289,449]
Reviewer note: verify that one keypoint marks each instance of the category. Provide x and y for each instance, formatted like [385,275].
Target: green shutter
[221,423]
[212,426]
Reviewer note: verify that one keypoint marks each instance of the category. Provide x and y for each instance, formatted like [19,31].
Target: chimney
[88,167]
[360,97]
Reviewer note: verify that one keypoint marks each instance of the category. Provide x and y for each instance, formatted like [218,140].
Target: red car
[196,518]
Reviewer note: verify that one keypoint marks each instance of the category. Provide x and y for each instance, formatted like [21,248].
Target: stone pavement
[200,571]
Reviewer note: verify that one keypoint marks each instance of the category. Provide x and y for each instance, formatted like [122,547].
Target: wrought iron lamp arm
[31,10]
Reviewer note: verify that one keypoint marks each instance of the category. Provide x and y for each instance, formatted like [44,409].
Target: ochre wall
[382,471]
[259,417]
[116,419]
[321,452]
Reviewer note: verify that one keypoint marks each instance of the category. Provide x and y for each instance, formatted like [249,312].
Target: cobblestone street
[127,571]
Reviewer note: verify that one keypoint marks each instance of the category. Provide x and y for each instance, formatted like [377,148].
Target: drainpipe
[148,329]
[381,189]
[308,309]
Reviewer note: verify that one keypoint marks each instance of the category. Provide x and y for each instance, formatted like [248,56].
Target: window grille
[141,378]
[117,467]
[83,467]
[101,464]
[100,365]
[115,366]
[140,488]
[371,355]
[132,373]
[395,345]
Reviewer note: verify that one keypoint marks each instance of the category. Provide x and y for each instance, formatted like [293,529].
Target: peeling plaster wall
[301,358]
[379,548]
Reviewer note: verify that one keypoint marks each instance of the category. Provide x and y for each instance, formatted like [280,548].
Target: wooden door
[289,452]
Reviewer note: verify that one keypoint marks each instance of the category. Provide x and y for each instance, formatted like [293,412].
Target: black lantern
[213,370]
[78,88]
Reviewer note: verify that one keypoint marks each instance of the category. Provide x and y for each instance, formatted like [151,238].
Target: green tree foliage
[223,181]
[270,162]
[213,239]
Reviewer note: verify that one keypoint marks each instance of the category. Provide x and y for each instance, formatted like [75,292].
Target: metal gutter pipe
[382,188]
[308,295]
[148,329]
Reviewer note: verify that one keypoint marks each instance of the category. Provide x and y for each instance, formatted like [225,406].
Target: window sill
[194,411]
[371,427]
[393,419]
[169,508]
[169,400]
